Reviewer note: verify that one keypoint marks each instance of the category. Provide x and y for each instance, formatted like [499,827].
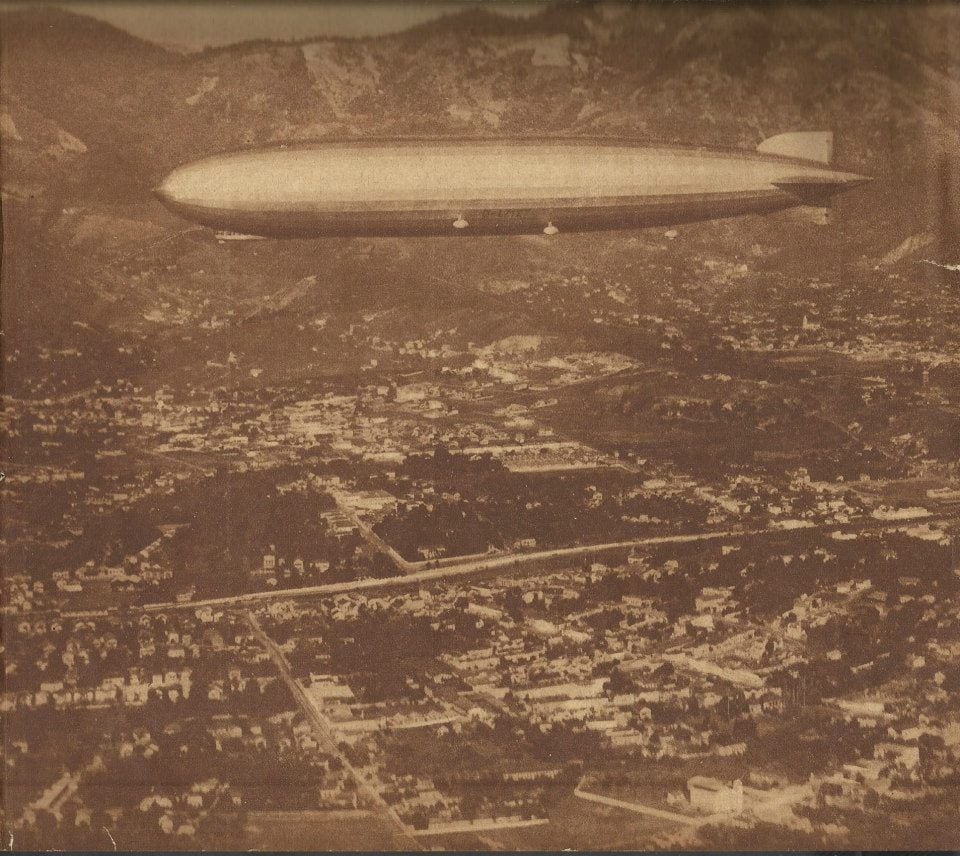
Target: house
[713,600]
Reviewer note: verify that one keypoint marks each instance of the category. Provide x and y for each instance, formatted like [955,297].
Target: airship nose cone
[162,192]
[170,194]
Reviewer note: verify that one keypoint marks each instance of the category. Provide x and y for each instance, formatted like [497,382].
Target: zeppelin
[444,187]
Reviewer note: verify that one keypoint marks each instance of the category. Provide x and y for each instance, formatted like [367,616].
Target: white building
[712,796]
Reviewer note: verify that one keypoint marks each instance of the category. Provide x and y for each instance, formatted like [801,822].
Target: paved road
[507,562]
[53,399]
[514,561]
[639,808]
[482,825]
[324,732]
[367,533]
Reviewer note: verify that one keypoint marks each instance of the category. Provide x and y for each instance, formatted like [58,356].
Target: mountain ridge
[93,117]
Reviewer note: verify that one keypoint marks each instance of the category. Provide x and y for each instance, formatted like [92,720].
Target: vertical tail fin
[816,146]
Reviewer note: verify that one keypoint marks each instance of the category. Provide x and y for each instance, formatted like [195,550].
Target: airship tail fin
[816,146]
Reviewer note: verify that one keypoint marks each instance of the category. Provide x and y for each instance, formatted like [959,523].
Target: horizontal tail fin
[813,191]
[816,146]
[809,190]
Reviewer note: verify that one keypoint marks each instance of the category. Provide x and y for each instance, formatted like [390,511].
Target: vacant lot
[577,825]
[318,830]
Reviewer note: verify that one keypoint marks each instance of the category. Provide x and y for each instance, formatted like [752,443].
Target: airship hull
[518,219]
[442,188]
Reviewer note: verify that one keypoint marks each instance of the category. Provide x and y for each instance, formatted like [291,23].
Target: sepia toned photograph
[479,425]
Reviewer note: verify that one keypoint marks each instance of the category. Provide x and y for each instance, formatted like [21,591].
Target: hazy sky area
[196,25]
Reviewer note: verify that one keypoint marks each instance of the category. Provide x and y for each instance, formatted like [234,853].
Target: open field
[318,830]
[575,825]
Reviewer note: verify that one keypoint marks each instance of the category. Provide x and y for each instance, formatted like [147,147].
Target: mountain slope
[93,117]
